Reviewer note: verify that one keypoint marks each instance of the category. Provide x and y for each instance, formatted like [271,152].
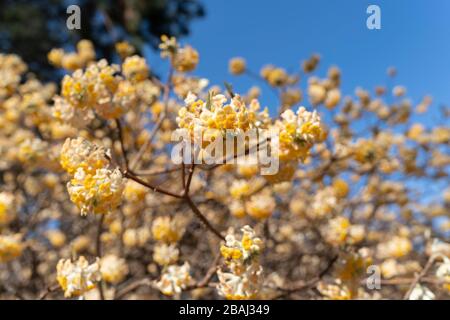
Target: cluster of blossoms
[340,231]
[244,278]
[258,206]
[101,88]
[350,269]
[73,60]
[7,208]
[93,188]
[298,133]
[167,231]
[11,247]
[182,59]
[175,279]
[113,269]
[77,278]
[218,116]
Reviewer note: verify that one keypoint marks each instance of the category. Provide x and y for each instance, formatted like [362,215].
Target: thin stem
[417,279]
[150,186]
[162,116]
[203,218]
[98,249]
[122,144]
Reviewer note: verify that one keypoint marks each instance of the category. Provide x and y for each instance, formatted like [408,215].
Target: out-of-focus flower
[421,293]
[334,291]
[168,229]
[113,268]
[185,59]
[56,237]
[7,209]
[165,254]
[260,206]
[11,247]
[394,248]
[124,49]
[135,69]
[136,237]
[311,64]
[443,272]
[237,66]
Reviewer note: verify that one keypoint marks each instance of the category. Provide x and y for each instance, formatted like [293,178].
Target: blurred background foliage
[30,28]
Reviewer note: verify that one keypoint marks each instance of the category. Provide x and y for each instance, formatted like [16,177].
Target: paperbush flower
[96,193]
[11,247]
[298,133]
[76,278]
[244,279]
[113,268]
[174,279]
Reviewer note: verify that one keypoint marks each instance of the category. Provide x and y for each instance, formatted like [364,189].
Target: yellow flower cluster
[98,193]
[368,151]
[168,229]
[218,115]
[94,188]
[165,254]
[135,69]
[237,66]
[174,279]
[277,77]
[100,87]
[242,258]
[339,231]
[124,49]
[11,247]
[113,269]
[7,209]
[80,153]
[298,132]
[396,247]
[76,278]
[183,59]
[259,206]
[325,91]
[32,151]
[73,60]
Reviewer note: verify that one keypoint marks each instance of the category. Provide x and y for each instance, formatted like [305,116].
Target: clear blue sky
[415,38]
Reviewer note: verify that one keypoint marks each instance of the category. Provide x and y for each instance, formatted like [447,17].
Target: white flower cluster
[245,277]
[175,279]
[76,278]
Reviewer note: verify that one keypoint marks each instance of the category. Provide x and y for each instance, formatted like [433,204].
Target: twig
[203,218]
[98,250]
[150,186]
[133,286]
[417,279]
[122,144]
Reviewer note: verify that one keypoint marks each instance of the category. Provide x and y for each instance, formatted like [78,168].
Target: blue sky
[414,37]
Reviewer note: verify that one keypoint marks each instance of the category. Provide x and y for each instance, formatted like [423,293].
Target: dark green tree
[30,28]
